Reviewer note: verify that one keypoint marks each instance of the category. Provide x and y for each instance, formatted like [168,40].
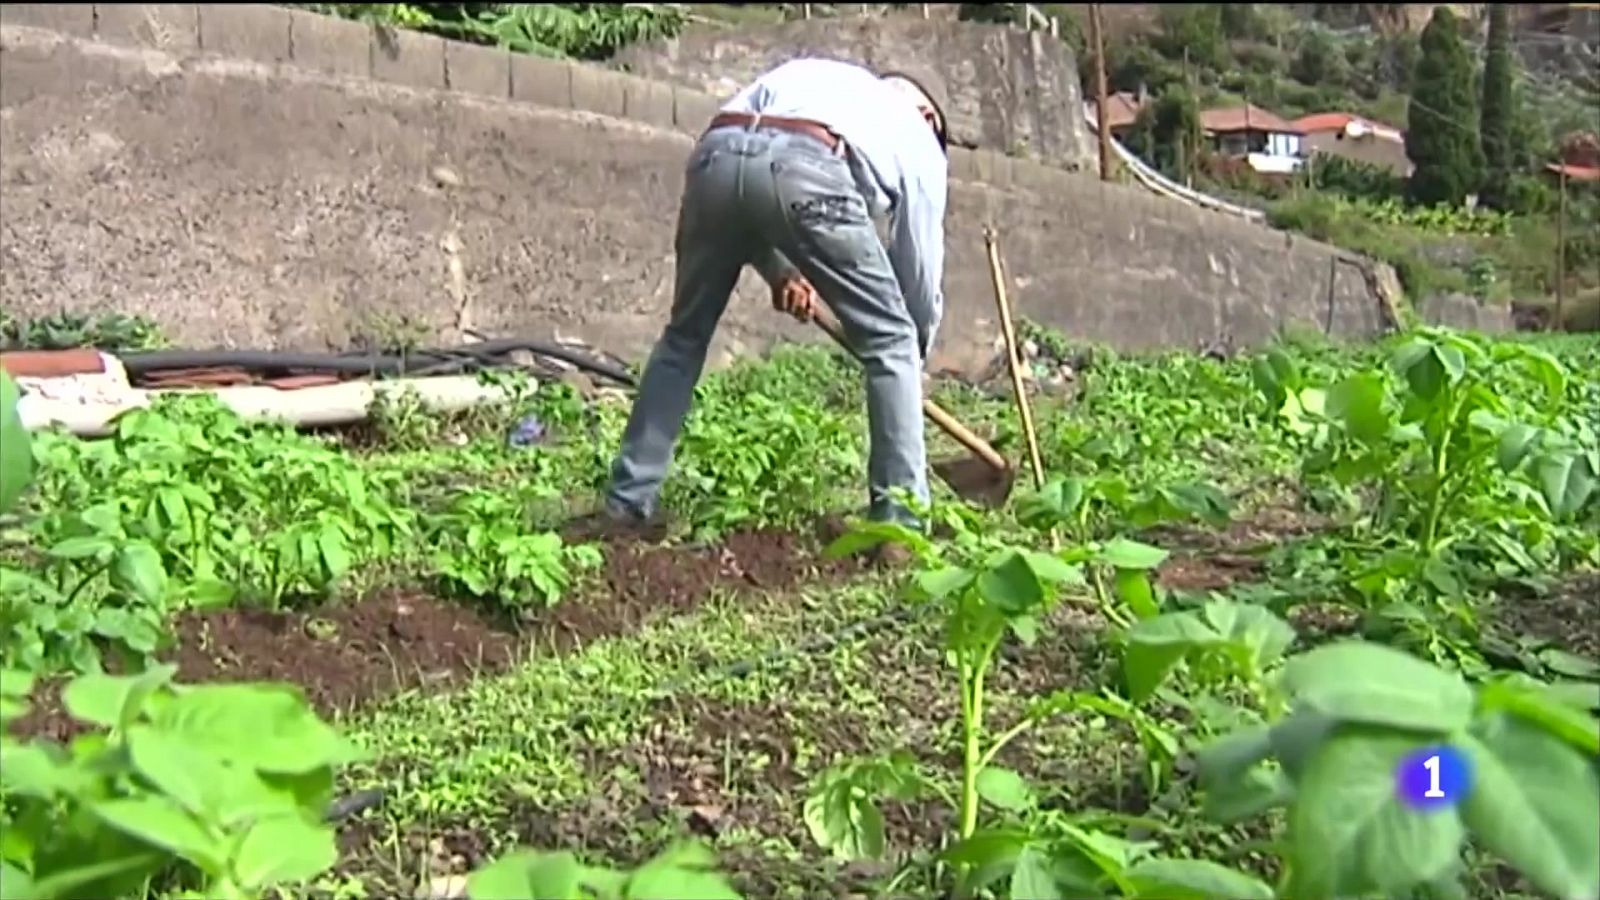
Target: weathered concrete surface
[1465,312]
[1011,91]
[324,180]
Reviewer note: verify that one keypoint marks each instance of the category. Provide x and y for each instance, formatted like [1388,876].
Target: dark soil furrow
[351,655]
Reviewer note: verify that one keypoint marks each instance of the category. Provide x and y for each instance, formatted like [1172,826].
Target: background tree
[1195,29]
[1442,117]
[1498,129]
[1319,62]
[1166,134]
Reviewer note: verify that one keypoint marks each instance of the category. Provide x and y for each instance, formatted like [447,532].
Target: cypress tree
[1499,111]
[1442,119]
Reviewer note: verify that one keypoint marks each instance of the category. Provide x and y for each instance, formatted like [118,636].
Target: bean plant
[230,779]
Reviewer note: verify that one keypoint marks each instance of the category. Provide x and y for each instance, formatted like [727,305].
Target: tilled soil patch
[740,770]
[1556,618]
[345,656]
[341,656]
[1207,560]
[639,582]
[705,768]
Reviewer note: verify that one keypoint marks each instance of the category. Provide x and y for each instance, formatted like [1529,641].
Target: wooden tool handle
[933,411]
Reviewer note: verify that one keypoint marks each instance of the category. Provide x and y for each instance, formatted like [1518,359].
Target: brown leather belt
[806,127]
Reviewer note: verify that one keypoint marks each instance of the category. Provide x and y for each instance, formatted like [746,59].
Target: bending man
[787,178]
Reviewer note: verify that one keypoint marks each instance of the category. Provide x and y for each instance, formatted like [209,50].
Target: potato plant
[1449,469]
[228,781]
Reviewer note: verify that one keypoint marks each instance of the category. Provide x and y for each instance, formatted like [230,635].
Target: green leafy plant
[1356,712]
[1232,640]
[991,591]
[49,615]
[99,586]
[1434,437]
[757,461]
[16,449]
[1085,507]
[582,30]
[682,872]
[65,331]
[233,507]
[1067,502]
[1445,220]
[230,780]
[484,552]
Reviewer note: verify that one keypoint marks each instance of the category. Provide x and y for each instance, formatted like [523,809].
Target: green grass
[592,739]
[619,748]
[1517,264]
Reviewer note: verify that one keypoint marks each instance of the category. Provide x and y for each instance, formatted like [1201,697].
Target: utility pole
[1560,323]
[1102,116]
[1190,142]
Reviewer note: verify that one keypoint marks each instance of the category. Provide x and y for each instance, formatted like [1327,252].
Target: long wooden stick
[1013,356]
[935,413]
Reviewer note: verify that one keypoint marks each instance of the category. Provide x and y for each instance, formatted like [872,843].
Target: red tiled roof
[1576,173]
[1581,149]
[1122,109]
[1323,122]
[1337,121]
[1245,118]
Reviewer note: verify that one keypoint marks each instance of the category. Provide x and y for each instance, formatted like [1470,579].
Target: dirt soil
[1557,618]
[685,783]
[1206,560]
[347,656]
[722,768]
[638,581]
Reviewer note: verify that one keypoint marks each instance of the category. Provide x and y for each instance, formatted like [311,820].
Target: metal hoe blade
[975,480]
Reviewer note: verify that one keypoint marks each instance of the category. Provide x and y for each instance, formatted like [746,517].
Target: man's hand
[794,295]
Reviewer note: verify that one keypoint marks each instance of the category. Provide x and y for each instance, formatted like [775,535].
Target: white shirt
[898,164]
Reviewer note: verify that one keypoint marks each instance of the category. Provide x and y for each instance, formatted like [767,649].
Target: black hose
[360,801]
[472,356]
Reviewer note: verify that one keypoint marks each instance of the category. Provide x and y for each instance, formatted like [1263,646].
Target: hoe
[985,477]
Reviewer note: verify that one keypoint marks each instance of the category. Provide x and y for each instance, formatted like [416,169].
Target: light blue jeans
[747,193]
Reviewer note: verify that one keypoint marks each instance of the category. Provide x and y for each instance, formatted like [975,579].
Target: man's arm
[773,266]
[791,292]
[916,250]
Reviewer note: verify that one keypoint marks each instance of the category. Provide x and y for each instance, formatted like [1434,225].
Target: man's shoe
[608,523]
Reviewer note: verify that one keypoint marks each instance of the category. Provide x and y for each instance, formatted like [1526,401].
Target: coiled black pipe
[469,357]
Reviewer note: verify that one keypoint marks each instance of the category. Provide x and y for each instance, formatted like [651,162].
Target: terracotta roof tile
[1124,108]
[1337,121]
[51,363]
[1324,121]
[1576,173]
[1245,118]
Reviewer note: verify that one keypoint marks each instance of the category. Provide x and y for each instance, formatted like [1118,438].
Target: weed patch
[1192,664]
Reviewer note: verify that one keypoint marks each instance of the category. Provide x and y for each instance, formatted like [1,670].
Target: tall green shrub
[1498,128]
[1442,120]
[1166,133]
[1195,29]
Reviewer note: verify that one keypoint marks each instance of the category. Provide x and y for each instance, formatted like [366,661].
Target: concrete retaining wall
[256,176]
[1011,91]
